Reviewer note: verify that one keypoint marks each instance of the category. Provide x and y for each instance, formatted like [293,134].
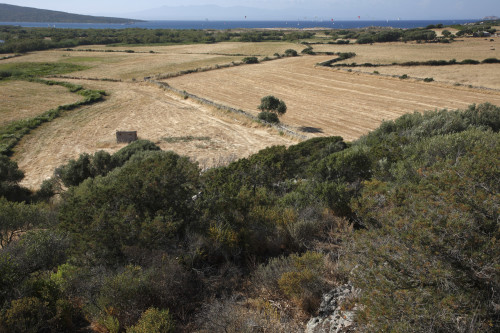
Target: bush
[428,79]
[124,154]
[491,61]
[308,50]
[154,320]
[291,53]
[299,277]
[404,76]
[151,195]
[469,62]
[250,60]
[272,104]
[270,117]
[365,39]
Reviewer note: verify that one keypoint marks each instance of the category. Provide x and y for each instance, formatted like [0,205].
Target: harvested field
[21,99]
[156,115]
[484,75]
[324,101]
[387,53]
[261,49]
[165,59]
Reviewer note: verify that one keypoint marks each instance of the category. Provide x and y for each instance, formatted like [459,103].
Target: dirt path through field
[327,102]
[205,135]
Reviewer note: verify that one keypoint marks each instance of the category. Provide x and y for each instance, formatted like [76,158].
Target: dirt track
[155,114]
[327,102]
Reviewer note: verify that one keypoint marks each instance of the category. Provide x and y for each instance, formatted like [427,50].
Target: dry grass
[330,102]
[485,75]
[387,53]
[263,49]
[154,114]
[324,101]
[21,99]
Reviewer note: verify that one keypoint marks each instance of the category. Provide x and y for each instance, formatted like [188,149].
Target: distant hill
[10,13]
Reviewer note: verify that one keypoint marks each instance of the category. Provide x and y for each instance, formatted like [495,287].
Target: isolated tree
[272,104]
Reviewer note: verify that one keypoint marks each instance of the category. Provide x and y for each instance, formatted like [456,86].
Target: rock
[331,317]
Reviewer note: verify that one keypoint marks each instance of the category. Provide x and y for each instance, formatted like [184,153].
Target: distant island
[11,13]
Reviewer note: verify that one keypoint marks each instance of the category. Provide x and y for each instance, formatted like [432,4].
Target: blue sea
[222,25]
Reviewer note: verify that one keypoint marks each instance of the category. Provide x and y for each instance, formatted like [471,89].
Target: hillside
[404,221]
[11,13]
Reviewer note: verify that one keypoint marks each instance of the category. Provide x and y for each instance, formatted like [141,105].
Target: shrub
[308,50]
[291,53]
[428,79]
[154,320]
[365,39]
[272,104]
[250,60]
[469,62]
[298,277]
[270,117]
[25,315]
[124,154]
[404,76]
[491,61]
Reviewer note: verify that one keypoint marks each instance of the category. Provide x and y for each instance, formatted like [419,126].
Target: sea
[223,25]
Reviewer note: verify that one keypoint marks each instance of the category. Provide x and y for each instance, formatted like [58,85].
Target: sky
[340,9]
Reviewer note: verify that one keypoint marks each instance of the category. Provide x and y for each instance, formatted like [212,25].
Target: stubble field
[321,101]
[21,99]
[325,101]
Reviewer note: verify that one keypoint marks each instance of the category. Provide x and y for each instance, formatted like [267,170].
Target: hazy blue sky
[340,9]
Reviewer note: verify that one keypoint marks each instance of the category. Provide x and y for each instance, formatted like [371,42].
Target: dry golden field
[21,99]
[466,48]
[387,53]
[321,101]
[165,59]
[485,75]
[156,115]
[327,101]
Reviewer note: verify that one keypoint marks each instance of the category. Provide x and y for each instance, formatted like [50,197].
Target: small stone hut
[126,136]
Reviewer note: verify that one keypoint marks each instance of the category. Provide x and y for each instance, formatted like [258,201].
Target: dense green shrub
[469,62]
[150,194]
[291,53]
[250,60]
[491,61]
[272,104]
[270,117]
[419,35]
[365,39]
[124,154]
[425,248]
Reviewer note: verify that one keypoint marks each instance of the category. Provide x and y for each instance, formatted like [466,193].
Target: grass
[22,99]
[13,132]
[21,70]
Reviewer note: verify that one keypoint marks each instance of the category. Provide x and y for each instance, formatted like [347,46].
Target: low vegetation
[141,240]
